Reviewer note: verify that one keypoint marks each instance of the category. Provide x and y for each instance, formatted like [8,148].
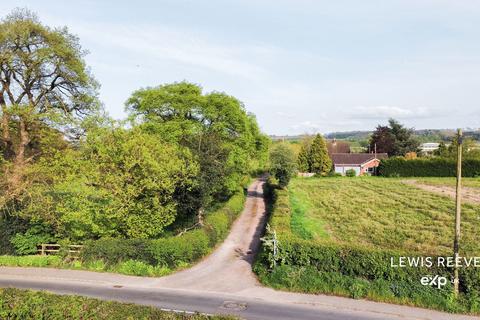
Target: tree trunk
[6,139]
[19,161]
[200,215]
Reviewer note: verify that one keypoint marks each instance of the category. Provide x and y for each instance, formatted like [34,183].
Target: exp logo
[436,281]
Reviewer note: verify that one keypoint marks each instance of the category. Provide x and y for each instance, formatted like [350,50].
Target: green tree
[215,127]
[394,139]
[45,86]
[442,150]
[382,140]
[320,162]
[282,163]
[303,159]
[119,183]
[470,149]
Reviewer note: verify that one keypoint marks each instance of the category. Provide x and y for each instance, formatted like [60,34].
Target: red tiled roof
[355,158]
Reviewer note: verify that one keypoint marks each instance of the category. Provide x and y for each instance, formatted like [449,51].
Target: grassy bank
[349,229]
[33,305]
[129,267]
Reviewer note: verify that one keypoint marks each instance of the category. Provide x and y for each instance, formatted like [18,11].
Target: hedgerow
[357,271]
[427,167]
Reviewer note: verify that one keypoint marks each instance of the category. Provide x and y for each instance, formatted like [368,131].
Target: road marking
[186,312]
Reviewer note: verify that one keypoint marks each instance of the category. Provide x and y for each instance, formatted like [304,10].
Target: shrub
[187,248]
[351,173]
[219,222]
[26,243]
[114,251]
[431,167]
[9,226]
[282,163]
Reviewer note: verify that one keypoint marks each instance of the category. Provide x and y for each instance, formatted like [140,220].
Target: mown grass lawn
[380,212]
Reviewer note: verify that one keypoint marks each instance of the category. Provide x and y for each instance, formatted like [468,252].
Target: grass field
[381,212]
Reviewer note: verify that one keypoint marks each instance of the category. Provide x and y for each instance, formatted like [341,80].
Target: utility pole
[458,209]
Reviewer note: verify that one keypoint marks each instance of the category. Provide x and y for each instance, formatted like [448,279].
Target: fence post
[275,248]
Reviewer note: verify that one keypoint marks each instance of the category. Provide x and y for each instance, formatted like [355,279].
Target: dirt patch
[471,195]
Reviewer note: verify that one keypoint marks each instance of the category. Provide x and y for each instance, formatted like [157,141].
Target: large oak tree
[224,138]
[44,87]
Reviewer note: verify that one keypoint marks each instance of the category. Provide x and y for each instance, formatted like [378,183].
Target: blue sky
[301,66]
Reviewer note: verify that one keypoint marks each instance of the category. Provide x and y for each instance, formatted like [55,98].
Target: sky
[301,66]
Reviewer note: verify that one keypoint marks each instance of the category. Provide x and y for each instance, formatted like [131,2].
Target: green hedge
[169,251]
[354,270]
[33,305]
[429,167]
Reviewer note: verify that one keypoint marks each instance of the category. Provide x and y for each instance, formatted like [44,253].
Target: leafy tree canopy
[215,127]
[45,86]
[394,139]
[282,163]
[320,162]
[120,183]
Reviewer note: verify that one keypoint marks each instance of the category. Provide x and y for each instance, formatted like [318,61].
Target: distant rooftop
[356,158]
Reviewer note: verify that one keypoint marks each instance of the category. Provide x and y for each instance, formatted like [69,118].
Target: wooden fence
[51,248]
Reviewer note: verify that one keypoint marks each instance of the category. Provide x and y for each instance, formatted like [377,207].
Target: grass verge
[129,267]
[33,305]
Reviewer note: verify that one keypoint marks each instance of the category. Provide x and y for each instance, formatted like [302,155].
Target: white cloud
[383,112]
[178,46]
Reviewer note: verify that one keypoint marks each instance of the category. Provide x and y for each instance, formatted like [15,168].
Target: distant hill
[423,135]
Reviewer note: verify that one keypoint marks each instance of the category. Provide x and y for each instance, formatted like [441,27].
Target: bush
[26,243]
[282,163]
[186,248]
[351,173]
[218,223]
[9,226]
[114,251]
[431,167]
[32,305]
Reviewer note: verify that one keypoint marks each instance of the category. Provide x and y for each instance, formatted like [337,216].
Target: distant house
[334,146]
[362,163]
[429,148]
